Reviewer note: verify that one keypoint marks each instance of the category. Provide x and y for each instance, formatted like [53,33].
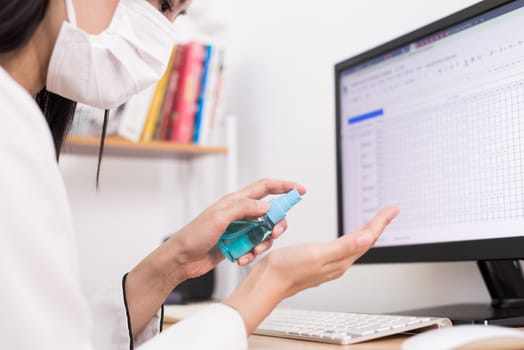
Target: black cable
[101,150]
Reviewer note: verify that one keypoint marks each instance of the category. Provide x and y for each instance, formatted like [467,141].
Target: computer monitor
[433,122]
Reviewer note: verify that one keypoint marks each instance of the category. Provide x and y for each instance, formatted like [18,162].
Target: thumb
[242,208]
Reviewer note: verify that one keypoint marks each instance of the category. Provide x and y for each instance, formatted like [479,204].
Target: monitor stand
[505,282]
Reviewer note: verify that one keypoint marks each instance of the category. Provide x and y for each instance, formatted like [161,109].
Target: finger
[246,259]
[355,244]
[237,208]
[263,247]
[344,250]
[338,268]
[216,256]
[374,228]
[279,229]
[264,187]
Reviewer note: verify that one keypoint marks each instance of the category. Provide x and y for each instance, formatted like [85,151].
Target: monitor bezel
[488,249]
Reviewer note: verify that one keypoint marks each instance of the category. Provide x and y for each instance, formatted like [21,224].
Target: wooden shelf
[119,147]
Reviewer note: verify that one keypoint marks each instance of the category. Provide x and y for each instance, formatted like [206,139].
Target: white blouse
[42,303]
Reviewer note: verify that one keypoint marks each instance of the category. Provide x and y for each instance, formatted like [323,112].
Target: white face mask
[105,70]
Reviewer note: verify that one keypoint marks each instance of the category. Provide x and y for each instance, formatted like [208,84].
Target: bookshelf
[120,147]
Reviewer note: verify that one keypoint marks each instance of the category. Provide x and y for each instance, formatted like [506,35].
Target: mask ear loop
[101,150]
[70,9]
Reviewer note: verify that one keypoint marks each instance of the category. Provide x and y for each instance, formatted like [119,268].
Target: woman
[44,53]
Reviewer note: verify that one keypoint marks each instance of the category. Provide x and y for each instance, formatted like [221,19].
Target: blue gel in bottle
[242,236]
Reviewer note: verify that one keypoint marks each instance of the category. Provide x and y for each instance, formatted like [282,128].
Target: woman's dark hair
[59,112]
[18,22]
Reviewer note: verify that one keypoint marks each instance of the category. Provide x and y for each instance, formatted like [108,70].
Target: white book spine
[134,115]
[210,100]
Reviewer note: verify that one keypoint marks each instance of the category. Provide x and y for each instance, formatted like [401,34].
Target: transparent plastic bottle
[241,237]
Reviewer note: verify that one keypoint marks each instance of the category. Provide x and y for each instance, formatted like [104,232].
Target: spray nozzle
[278,207]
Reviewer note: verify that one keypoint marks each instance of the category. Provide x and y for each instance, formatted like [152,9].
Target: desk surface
[259,342]
[174,313]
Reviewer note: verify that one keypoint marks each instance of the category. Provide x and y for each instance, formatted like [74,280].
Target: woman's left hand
[193,250]
[292,269]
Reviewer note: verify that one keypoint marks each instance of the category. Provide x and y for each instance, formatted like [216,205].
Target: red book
[185,103]
[163,128]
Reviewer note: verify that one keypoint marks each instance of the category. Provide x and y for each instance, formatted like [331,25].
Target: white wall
[280,75]
[280,85]
[140,202]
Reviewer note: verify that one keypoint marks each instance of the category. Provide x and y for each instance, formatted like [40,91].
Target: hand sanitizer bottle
[242,236]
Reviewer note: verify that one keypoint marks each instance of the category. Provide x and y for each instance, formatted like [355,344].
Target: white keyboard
[341,327]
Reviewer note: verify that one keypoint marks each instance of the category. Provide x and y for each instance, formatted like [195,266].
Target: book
[134,115]
[155,107]
[203,96]
[185,103]
[211,99]
[164,121]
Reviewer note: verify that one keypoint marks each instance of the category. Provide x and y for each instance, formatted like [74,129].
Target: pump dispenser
[242,236]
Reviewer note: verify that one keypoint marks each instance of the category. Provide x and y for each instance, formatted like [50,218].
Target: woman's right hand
[287,271]
[193,250]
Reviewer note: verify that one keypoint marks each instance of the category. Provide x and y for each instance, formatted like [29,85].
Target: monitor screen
[433,122]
